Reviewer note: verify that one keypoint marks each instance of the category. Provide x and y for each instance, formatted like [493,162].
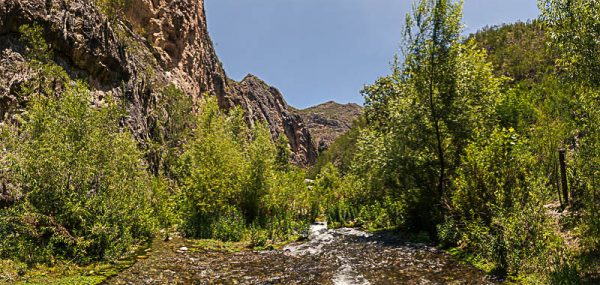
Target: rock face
[178,35]
[328,121]
[153,44]
[265,103]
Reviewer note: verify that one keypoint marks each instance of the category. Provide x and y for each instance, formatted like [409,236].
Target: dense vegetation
[77,186]
[488,145]
[74,182]
[234,178]
[463,141]
[517,50]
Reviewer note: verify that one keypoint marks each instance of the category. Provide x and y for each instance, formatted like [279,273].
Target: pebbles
[341,256]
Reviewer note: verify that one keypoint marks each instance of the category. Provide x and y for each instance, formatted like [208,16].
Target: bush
[113,8]
[212,170]
[171,123]
[86,192]
[496,208]
[235,178]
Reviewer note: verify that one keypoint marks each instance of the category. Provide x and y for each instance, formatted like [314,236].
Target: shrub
[496,205]
[86,192]
[113,8]
[212,170]
[235,178]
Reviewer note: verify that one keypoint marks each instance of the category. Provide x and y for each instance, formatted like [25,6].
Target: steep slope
[266,104]
[329,120]
[134,54]
[517,50]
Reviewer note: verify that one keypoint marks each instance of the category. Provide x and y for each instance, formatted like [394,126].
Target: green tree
[432,103]
[261,161]
[76,184]
[171,124]
[236,182]
[212,173]
[496,208]
[282,160]
[86,194]
[574,31]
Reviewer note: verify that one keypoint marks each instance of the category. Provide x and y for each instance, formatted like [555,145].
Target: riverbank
[327,256]
[339,256]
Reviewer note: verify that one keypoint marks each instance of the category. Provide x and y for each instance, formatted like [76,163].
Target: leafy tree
[75,182]
[235,182]
[433,34]
[586,160]
[497,203]
[574,28]
[171,124]
[574,31]
[282,159]
[261,161]
[444,91]
[212,172]
[86,193]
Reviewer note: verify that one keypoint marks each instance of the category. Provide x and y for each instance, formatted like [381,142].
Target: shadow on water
[339,256]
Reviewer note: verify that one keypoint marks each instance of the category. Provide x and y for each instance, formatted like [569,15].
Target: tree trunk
[434,115]
[563,177]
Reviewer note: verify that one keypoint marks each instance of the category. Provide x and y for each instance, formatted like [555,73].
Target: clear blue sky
[319,50]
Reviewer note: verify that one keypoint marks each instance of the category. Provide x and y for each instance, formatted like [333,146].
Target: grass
[476,261]
[60,274]
[210,245]
[65,273]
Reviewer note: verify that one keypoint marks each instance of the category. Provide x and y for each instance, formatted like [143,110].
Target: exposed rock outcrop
[329,120]
[155,43]
[265,103]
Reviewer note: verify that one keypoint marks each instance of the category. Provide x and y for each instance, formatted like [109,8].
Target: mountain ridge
[329,120]
[134,55]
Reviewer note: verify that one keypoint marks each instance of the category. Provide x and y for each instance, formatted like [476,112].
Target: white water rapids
[319,236]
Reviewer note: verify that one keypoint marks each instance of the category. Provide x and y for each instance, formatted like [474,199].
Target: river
[329,256]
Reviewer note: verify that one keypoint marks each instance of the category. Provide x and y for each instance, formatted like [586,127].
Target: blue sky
[314,51]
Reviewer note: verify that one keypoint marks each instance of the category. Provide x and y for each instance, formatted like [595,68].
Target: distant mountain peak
[328,121]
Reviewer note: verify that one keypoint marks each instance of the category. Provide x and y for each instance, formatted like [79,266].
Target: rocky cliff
[149,44]
[265,103]
[328,121]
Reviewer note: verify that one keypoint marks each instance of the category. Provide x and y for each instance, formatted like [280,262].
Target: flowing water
[340,256]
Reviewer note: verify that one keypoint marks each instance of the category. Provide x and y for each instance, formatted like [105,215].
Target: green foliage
[517,50]
[574,33]
[344,202]
[38,49]
[282,159]
[113,9]
[74,184]
[587,161]
[171,125]
[212,170]
[449,145]
[86,193]
[573,26]
[496,207]
[233,179]
[428,122]
[50,79]
[342,151]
